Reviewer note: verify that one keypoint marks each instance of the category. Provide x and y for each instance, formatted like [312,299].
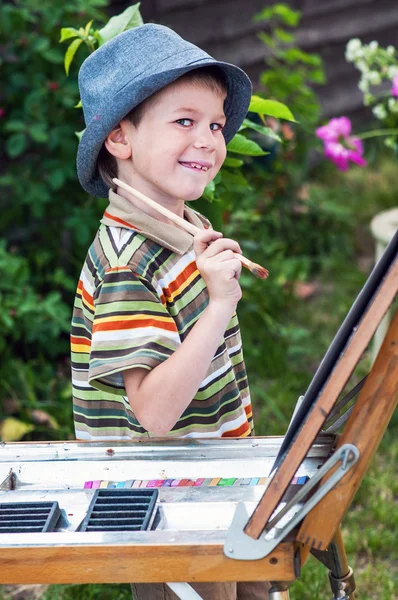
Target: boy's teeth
[198,167]
[195,166]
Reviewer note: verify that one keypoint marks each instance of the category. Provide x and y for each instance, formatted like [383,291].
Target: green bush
[47,220]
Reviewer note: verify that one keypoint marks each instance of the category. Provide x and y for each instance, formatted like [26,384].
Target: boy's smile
[178,146]
[201,166]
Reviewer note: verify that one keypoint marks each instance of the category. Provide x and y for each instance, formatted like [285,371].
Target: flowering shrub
[379,85]
[378,67]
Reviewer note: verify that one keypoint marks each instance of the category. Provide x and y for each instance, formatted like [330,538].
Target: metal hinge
[243,547]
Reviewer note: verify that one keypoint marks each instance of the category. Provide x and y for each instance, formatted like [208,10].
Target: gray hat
[130,68]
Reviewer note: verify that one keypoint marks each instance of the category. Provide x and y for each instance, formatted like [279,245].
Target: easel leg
[341,576]
[279,591]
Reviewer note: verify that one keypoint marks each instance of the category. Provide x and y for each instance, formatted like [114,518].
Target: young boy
[156,348]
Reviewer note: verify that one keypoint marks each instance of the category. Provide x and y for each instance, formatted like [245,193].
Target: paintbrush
[256,269]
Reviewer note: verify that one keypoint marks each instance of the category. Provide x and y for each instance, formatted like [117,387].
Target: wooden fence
[225,29]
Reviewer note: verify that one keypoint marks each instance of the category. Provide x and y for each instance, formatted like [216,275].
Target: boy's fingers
[223,255]
[203,239]
[221,245]
[234,266]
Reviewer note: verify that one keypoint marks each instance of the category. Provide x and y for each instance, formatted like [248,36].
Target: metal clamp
[342,587]
[240,546]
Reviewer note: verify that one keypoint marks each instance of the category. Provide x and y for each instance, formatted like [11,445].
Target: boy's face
[178,146]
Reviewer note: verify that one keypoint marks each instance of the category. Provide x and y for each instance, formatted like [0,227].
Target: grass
[371,524]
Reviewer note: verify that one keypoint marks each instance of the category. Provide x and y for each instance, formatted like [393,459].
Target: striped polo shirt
[139,295]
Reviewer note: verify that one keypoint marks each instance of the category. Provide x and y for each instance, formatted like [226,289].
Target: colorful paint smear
[185,482]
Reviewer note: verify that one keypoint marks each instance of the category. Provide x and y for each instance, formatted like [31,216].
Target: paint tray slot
[120,510]
[28,517]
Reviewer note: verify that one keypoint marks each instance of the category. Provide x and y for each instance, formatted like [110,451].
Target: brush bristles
[259,271]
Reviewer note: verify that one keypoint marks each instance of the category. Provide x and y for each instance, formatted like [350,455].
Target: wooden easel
[364,430]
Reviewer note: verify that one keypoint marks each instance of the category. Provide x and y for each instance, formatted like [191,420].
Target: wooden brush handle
[164,211]
[170,215]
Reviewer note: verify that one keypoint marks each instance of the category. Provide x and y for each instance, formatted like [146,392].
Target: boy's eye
[216,127]
[188,122]
[184,122]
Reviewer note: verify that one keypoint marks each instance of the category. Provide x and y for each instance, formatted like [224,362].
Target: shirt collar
[122,213]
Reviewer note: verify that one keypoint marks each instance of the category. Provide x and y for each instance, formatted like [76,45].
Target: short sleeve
[131,328]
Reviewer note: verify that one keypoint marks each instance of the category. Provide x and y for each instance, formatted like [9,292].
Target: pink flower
[339,146]
[2,112]
[342,155]
[394,89]
[340,126]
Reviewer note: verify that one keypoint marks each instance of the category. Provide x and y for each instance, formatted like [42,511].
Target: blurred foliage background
[290,211]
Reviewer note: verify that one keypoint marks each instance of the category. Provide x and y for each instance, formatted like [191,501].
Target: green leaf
[129,18]
[283,35]
[264,15]
[6,180]
[16,144]
[271,108]
[56,179]
[295,55]
[70,53]
[78,105]
[12,430]
[234,180]
[40,45]
[283,12]
[211,210]
[38,133]
[287,15]
[53,55]
[267,39]
[233,162]
[267,131]
[79,134]
[209,190]
[88,27]
[33,102]
[317,76]
[67,33]
[241,145]
[14,125]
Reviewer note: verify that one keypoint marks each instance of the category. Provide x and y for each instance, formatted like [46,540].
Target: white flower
[363,85]
[352,48]
[392,71]
[363,66]
[374,78]
[393,105]
[379,112]
[373,46]
[390,50]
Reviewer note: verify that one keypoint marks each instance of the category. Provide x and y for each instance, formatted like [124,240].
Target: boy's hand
[218,266]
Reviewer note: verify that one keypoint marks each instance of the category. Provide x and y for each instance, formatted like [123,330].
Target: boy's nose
[204,138]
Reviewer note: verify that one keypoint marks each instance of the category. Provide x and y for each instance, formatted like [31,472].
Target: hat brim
[237,102]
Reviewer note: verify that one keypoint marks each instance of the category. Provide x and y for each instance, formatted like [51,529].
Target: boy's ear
[117,143]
